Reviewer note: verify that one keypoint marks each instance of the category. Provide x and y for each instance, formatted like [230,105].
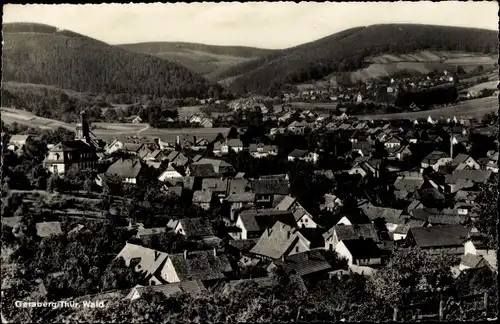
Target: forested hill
[42,54]
[347,50]
[200,58]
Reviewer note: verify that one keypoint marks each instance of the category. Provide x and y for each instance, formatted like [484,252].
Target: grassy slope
[42,54]
[203,59]
[351,45]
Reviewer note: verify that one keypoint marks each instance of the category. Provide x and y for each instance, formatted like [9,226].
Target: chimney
[178,140]
[215,252]
[185,254]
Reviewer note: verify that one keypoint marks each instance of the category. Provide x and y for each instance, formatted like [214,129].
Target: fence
[415,310]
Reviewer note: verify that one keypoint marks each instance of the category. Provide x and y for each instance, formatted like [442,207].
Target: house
[477,245]
[177,159]
[196,265]
[217,187]
[234,144]
[149,262]
[303,155]
[238,201]
[266,189]
[400,152]
[365,167]
[201,170]
[18,143]
[192,287]
[46,229]
[70,154]
[308,264]
[194,228]
[207,122]
[331,203]
[447,239]
[126,169]
[170,173]
[401,231]
[348,232]
[435,159]
[203,199]
[466,179]
[298,127]
[363,148]
[464,162]
[354,218]
[360,252]
[219,166]
[303,218]
[259,150]
[392,142]
[280,240]
[391,217]
[254,222]
[407,184]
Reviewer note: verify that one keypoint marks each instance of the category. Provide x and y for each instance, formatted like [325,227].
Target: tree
[410,273]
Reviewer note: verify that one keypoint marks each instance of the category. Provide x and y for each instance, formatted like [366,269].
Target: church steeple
[83,128]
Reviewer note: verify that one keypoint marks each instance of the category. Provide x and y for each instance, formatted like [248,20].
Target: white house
[169,173]
[360,252]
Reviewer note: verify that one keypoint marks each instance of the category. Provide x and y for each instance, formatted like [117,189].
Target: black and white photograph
[239,162]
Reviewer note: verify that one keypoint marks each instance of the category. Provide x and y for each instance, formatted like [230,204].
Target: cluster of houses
[371,90]
[266,226]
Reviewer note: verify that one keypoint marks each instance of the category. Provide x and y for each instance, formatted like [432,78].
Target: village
[415,184]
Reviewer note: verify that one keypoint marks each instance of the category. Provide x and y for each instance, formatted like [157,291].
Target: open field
[421,62]
[108,131]
[313,105]
[467,109]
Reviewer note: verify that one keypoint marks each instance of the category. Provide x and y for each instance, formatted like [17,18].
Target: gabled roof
[408,184]
[219,166]
[363,248]
[19,138]
[476,176]
[214,185]
[189,287]
[286,203]
[234,142]
[304,263]
[260,219]
[237,186]
[434,156]
[241,197]
[460,158]
[149,260]
[404,228]
[390,215]
[125,168]
[200,265]
[350,232]
[271,186]
[440,236]
[473,261]
[202,170]
[194,227]
[70,146]
[276,241]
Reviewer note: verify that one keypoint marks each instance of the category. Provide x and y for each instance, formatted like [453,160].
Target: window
[296,249]
[54,169]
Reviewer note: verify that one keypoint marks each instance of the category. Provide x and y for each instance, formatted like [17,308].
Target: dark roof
[237,186]
[271,186]
[434,156]
[460,158]
[473,261]
[363,248]
[442,219]
[439,236]
[350,232]
[194,227]
[127,168]
[202,170]
[69,146]
[298,153]
[241,197]
[214,185]
[275,242]
[390,215]
[189,287]
[476,176]
[304,263]
[260,219]
[176,191]
[200,265]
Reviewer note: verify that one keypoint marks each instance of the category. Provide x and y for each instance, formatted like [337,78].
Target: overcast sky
[267,25]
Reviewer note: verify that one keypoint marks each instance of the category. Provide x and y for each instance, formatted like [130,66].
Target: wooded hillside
[42,54]
[347,51]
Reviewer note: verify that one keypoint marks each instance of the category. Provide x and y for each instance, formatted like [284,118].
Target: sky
[259,24]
